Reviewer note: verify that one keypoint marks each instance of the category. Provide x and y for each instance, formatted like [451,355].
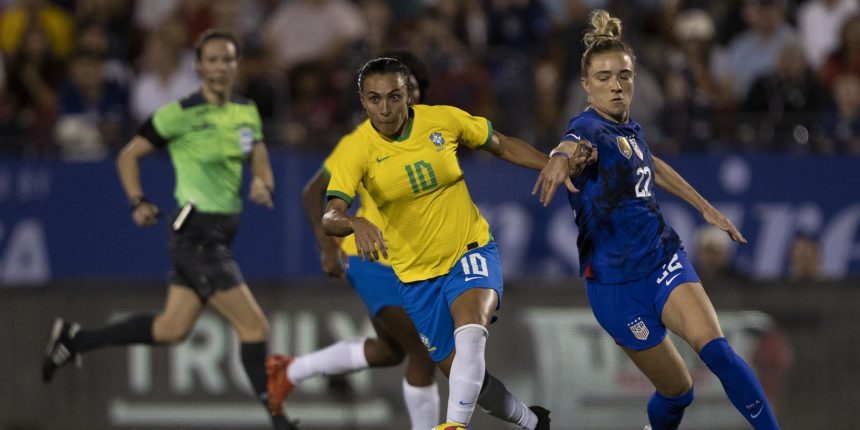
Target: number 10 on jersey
[426,177]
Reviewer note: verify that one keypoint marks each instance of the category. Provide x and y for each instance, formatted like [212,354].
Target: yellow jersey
[366,208]
[428,218]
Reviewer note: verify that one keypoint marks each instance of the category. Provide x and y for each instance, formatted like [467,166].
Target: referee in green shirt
[209,135]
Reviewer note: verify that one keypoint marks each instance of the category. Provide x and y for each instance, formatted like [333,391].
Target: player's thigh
[689,314]
[181,310]
[239,307]
[663,366]
[394,325]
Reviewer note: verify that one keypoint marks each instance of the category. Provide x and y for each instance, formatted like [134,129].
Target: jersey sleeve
[346,168]
[166,124]
[332,158]
[474,131]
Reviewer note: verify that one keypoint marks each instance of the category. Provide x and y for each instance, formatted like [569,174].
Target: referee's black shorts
[201,253]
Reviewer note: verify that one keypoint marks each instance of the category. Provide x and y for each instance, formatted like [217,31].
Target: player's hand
[587,157]
[716,218]
[368,240]
[260,193]
[555,173]
[334,261]
[145,214]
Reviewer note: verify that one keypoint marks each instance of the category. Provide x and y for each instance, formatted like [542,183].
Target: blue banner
[70,221]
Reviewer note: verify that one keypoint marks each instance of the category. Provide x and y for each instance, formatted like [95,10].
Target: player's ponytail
[604,36]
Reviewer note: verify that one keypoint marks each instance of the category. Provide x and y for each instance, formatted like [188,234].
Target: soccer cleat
[58,351]
[452,426]
[543,417]
[279,386]
[283,422]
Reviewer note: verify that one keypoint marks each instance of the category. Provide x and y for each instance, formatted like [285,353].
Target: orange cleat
[278,383]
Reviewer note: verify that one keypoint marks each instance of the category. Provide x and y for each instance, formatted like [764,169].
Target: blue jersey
[622,235]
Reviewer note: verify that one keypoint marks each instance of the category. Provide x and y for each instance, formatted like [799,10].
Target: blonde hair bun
[603,26]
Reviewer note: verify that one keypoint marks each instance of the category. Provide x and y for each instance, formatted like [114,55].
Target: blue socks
[739,382]
[665,413]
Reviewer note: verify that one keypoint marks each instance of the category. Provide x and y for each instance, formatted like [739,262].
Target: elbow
[328,225]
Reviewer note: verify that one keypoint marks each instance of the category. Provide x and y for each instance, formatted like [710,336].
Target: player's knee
[257,332]
[718,355]
[171,335]
[383,354]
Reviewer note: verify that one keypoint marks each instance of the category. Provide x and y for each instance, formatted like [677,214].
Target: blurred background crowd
[77,76]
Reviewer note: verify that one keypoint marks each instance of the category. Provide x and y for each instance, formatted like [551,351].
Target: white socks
[467,372]
[497,401]
[342,357]
[422,404]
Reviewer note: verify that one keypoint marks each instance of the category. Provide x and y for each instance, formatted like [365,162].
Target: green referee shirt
[208,145]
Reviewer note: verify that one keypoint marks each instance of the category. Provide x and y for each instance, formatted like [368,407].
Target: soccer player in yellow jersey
[375,283]
[445,259]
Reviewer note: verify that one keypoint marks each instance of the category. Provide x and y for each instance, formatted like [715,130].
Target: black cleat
[283,422]
[543,417]
[58,351]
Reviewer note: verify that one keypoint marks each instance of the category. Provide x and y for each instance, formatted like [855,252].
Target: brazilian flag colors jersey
[428,217]
[208,145]
[366,209]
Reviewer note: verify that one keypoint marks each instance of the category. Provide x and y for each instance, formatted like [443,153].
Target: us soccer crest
[437,140]
[624,146]
[639,329]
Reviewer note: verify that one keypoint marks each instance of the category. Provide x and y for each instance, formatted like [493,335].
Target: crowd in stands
[77,76]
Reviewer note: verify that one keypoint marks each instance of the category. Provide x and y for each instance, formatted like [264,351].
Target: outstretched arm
[668,179]
[516,151]
[331,256]
[368,237]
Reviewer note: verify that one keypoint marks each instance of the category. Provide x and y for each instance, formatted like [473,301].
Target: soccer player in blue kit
[638,278]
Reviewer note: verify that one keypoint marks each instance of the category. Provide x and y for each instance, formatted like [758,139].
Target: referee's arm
[263,182]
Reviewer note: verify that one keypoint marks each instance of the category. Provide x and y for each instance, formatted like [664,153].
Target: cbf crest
[426,341]
[437,140]
[639,329]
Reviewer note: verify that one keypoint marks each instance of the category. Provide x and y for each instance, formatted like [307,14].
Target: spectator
[35,74]
[755,51]
[846,57]
[818,22]
[805,259]
[693,95]
[167,71]
[26,14]
[842,122]
[92,110]
[784,108]
[306,31]
[713,255]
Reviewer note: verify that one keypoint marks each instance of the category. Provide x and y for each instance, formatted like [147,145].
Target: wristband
[558,153]
[136,201]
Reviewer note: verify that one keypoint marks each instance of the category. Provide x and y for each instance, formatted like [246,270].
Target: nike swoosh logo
[755,415]
[575,137]
[462,403]
[469,278]
[669,282]
[380,159]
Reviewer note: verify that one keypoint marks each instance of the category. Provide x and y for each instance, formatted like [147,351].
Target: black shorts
[201,253]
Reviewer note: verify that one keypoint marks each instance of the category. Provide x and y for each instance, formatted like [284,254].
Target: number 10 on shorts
[474,264]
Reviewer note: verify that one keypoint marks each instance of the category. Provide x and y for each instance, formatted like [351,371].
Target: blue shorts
[375,283]
[428,303]
[631,312]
